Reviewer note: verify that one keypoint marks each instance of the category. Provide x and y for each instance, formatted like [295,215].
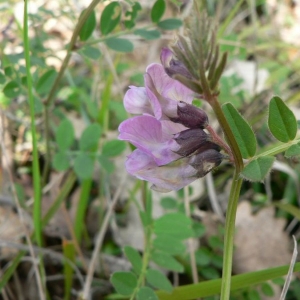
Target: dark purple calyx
[205,161]
[190,116]
[190,140]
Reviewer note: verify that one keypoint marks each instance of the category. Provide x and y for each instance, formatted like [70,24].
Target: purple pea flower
[173,150]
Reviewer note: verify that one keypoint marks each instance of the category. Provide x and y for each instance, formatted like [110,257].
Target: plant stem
[35,163]
[233,197]
[229,235]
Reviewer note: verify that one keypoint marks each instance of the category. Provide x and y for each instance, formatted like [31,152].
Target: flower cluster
[172,149]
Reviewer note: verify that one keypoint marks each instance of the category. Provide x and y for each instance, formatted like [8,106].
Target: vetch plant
[172,148]
[175,144]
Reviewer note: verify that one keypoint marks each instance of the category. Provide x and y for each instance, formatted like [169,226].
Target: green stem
[233,197]
[229,235]
[35,164]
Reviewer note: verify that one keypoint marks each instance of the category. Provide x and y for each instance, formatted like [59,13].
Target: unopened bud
[190,116]
[190,140]
[205,161]
[173,66]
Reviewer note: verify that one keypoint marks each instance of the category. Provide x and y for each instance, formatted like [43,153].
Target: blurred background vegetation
[88,203]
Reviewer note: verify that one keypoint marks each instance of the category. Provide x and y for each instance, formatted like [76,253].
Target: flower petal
[167,178]
[136,101]
[168,87]
[145,132]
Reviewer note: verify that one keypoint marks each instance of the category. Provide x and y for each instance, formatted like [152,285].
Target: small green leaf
[106,164]
[243,133]
[90,52]
[12,89]
[169,244]
[2,78]
[132,15]
[88,27]
[8,71]
[176,225]
[267,289]
[258,169]
[46,81]
[113,148]
[64,135]
[83,166]
[145,293]
[90,137]
[203,257]
[159,280]
[168,203]
[124,282]
[170,24]
[294,150]
[167,261]
[110,17]
[61,161]
[158,10]
[148,34]
[120,44]
[135,258]
[282,122]
[253,295]
[199,229]
[209,273]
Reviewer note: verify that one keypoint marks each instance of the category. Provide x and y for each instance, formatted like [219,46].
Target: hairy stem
[233,197]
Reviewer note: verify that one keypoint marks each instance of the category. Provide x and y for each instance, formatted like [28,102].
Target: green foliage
[148,34]
[158,280]
[83,165]
[281,121]
[113,148]
[242,131]
[124,282]
[158,10]
[166,261]
[120,44]
[145,293]
[258,168]
[91,89]
[294,150]
[110,17]
[175,225]
[88,26]
[135,259]
[170,24]
[90,137]
[64,135]
[45,82]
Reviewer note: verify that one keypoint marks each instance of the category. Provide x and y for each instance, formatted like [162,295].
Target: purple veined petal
[169,128]
[136,101]
[173,176]
[145,132]
[168,87]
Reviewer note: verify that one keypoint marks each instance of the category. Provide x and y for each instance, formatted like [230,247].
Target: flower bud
[205,161]
[190,116]
[173,66]
[190,140]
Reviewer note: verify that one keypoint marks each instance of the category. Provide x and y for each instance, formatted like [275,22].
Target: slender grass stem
[35,164]
[35,169]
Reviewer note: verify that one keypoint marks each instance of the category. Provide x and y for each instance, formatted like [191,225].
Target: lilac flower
[172,148]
